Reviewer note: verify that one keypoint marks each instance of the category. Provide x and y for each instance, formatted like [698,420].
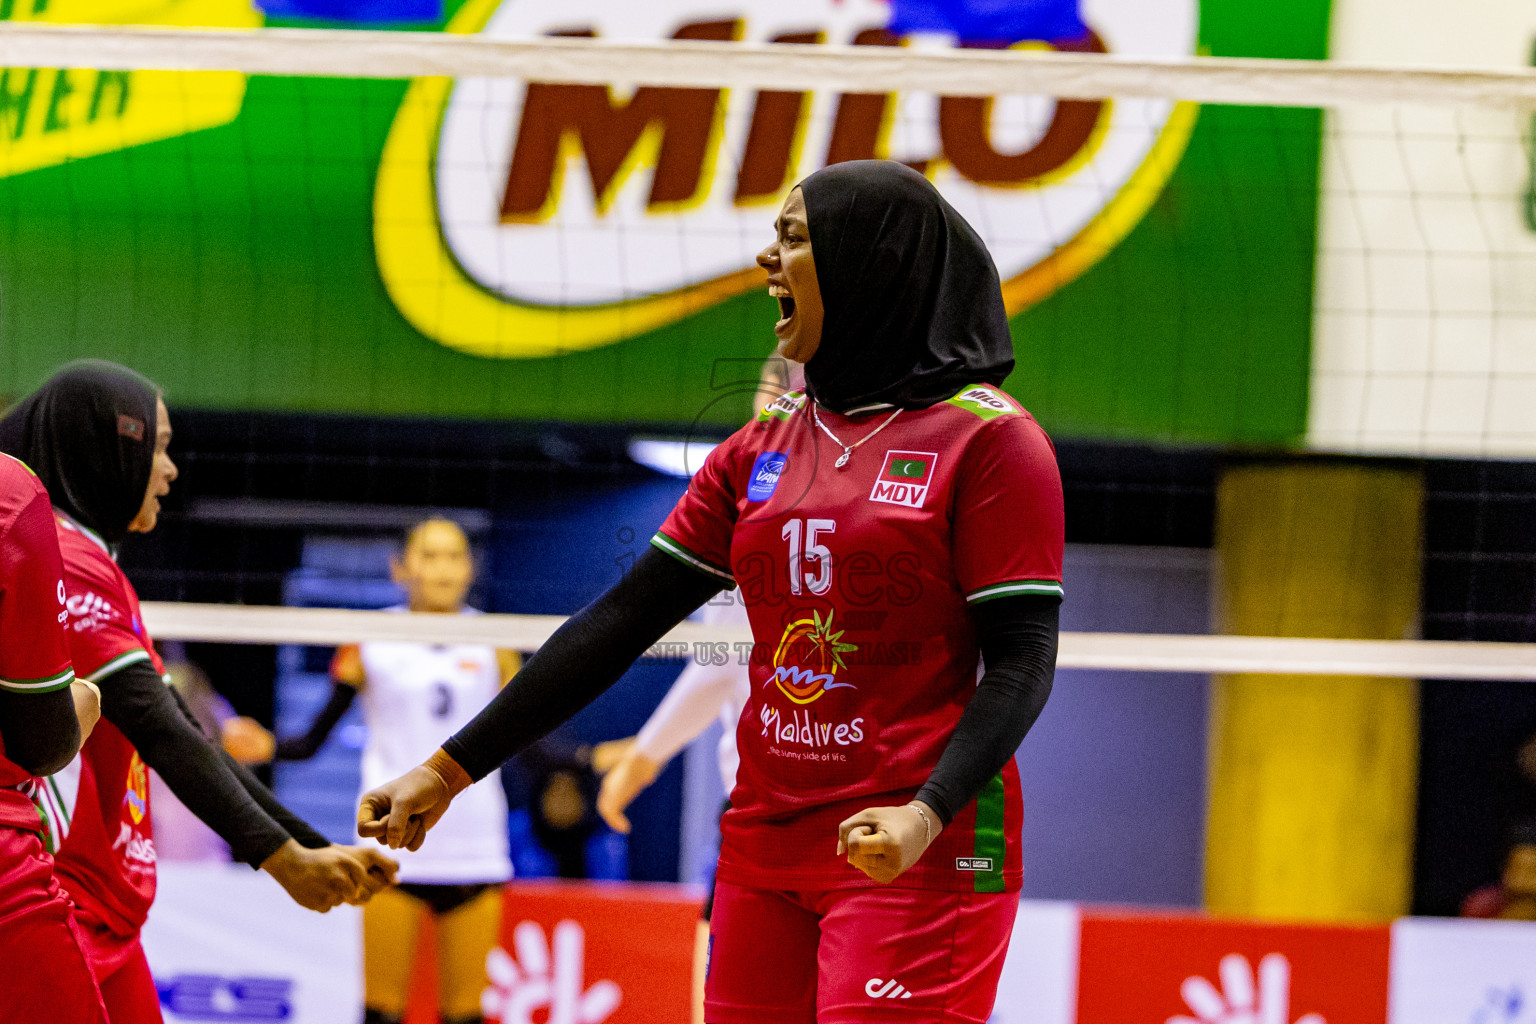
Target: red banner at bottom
[619,954]
[1156,969]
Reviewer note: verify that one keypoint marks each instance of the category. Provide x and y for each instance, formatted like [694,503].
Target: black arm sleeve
[302,748]
[40,730]
[291,823]
[1018,646]
[136,701]
[585,657]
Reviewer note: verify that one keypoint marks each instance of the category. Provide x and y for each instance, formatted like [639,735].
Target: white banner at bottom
[1462,972]
[226,944]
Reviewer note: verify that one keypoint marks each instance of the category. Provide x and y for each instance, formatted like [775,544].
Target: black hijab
[913,308]
[89,435]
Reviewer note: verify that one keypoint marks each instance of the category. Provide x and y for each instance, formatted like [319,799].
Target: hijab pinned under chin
[913,310]
[89,435]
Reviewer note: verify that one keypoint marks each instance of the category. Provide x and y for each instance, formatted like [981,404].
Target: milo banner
[496,248]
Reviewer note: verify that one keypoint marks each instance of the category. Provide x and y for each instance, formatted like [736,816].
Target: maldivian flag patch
[905,478]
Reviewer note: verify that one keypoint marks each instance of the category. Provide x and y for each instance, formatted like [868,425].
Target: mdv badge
[904,478]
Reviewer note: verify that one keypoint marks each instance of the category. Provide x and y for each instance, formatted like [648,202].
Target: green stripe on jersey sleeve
[118,663]
[1015,588]
[682,554]
[45,685]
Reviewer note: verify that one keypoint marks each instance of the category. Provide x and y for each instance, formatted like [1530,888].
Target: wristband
[455,779]
[927,825]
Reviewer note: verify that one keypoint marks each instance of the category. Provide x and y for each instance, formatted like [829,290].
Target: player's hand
[377,871]
[624,781]
[399,813]
[609,753]
[87,706]
[883,842]
[316,879]
[247,740]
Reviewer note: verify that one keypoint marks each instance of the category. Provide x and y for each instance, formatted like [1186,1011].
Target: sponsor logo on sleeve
[904,478]
[973,863]
[90,611]
[984,402]
[765,475]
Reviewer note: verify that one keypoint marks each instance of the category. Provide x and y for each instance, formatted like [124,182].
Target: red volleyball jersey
[106,850]
[34,657]
[858,582]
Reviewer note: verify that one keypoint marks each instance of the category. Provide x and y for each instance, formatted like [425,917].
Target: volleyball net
[1128,652]
[550,212]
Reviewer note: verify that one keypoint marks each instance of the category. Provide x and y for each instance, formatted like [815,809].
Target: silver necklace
[842,460]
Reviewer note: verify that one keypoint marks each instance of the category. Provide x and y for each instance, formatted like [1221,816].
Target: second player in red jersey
[98,436]
[890,529]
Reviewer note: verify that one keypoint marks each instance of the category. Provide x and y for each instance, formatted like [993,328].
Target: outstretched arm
[584,658]
[150,715]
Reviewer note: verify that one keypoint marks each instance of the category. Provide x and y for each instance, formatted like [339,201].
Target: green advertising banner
[494,249]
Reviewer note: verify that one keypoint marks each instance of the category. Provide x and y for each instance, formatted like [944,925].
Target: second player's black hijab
[89,435]
[913,307]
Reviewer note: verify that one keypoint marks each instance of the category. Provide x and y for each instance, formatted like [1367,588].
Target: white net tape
[364,54]
[1421,659]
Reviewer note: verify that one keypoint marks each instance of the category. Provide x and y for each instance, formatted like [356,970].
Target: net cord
[944,71]
[1127,652]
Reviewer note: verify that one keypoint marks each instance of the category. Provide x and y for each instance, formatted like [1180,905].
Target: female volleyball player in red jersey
[97,435]
[44,714]
[890,529]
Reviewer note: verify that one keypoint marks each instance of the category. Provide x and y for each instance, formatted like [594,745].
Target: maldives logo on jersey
[810,641]
[904,478]
[765,475]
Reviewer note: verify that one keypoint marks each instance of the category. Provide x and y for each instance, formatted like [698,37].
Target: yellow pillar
[1313,778]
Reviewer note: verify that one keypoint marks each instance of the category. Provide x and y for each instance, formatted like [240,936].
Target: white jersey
[416,696]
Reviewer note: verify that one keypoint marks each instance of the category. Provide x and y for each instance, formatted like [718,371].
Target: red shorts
[127,987]
[130,992]
[47,977]
[855,955]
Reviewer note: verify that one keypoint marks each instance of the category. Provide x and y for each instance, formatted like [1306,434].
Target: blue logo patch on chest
[766,471]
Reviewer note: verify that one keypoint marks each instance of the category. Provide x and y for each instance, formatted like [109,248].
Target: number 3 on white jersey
[798,577]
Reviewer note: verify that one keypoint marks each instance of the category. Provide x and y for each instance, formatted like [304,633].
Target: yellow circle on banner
[435,293]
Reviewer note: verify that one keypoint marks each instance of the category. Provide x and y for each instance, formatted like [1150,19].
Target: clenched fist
[883,842]
[399,813]
[321,879]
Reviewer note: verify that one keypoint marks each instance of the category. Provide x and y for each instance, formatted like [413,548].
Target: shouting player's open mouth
[786,308]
